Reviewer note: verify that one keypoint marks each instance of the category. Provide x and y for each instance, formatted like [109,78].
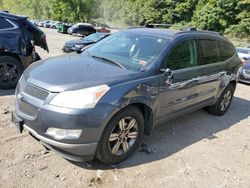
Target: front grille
[33,91]
[25,93]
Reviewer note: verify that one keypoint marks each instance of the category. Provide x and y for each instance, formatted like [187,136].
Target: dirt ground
[196,150]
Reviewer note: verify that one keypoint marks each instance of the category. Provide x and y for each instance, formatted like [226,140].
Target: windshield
[132,51]
[94,37]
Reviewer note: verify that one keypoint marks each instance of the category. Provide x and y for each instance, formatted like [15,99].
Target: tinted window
[4,24]
[82,26]
[182,56]
[226,50]
[208,52]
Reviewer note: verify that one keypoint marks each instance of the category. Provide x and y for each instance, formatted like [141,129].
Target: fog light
[60,134]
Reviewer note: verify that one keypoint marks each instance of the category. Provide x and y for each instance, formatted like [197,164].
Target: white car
[243,53]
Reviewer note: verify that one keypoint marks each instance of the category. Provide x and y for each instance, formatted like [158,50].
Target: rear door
[181,94]
[211,67]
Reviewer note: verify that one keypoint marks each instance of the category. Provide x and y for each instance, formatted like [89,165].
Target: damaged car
[100,103]
[18,38]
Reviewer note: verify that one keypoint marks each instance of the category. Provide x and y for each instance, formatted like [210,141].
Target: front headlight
[78,46]
[80,99]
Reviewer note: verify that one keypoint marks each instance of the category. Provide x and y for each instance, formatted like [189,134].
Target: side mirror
[169,75]
[168,72]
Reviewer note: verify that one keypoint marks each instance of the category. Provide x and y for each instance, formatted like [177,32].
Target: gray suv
[101,102]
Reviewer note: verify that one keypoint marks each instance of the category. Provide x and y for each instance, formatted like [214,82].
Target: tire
[11,70]
[223,102]
[107,144]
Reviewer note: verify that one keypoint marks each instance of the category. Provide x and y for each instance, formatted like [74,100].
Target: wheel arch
[11,55]
[233,83]
[147,113]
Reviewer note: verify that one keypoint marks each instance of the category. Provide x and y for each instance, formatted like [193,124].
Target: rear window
[208,51]
[226,50]
[4,24]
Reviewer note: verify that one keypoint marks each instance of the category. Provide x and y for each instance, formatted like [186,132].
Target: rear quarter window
[4,24]
[226,50]
[208,51]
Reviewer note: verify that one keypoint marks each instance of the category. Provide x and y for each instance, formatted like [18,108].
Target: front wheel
[121,136]
[10,71]
[223,103]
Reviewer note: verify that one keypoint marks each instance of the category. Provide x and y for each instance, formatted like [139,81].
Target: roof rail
[186,28]
[182,28]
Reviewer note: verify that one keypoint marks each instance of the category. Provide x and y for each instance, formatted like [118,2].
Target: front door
[181,93]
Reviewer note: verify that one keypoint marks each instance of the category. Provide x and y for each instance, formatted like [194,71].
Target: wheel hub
[123,136]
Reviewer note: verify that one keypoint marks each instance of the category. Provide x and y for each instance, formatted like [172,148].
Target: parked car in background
[47,23]
[77,44]
[40,24]
[54,24]
[101,102]
[244,73]
[82,29]
[103,30]
[244,53]
[18,38]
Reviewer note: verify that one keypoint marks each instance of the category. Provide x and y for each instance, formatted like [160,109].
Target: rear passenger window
[182,56]
[208,52]
[4,24]
[226,50]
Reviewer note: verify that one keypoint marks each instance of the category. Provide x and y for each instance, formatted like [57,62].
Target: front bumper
[32,108]
[74,152]
[243,78]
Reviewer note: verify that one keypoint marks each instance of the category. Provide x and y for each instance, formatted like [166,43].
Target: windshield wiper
[109,60]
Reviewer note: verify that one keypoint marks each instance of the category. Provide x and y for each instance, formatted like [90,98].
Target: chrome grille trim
[28,98]
[33,91]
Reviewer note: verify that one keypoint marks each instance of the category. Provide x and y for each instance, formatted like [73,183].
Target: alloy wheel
[8,73]
[123,136]
[226,100]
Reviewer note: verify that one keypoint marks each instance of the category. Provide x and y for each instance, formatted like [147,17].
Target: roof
[88,24]
[169,33]
[12,16]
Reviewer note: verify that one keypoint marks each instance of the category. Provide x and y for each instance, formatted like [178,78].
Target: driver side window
[183,55]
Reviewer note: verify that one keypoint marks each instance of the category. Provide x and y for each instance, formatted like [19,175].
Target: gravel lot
[195,150]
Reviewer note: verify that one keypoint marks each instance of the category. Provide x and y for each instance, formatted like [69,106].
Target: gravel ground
[195,150]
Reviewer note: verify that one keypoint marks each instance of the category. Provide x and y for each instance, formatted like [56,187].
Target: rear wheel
[10,72]
[224,101]
[121,136]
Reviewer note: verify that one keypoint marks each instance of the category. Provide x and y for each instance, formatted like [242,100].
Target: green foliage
[229,16]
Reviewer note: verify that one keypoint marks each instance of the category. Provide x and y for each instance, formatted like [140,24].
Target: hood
[78,41]
[73,71]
